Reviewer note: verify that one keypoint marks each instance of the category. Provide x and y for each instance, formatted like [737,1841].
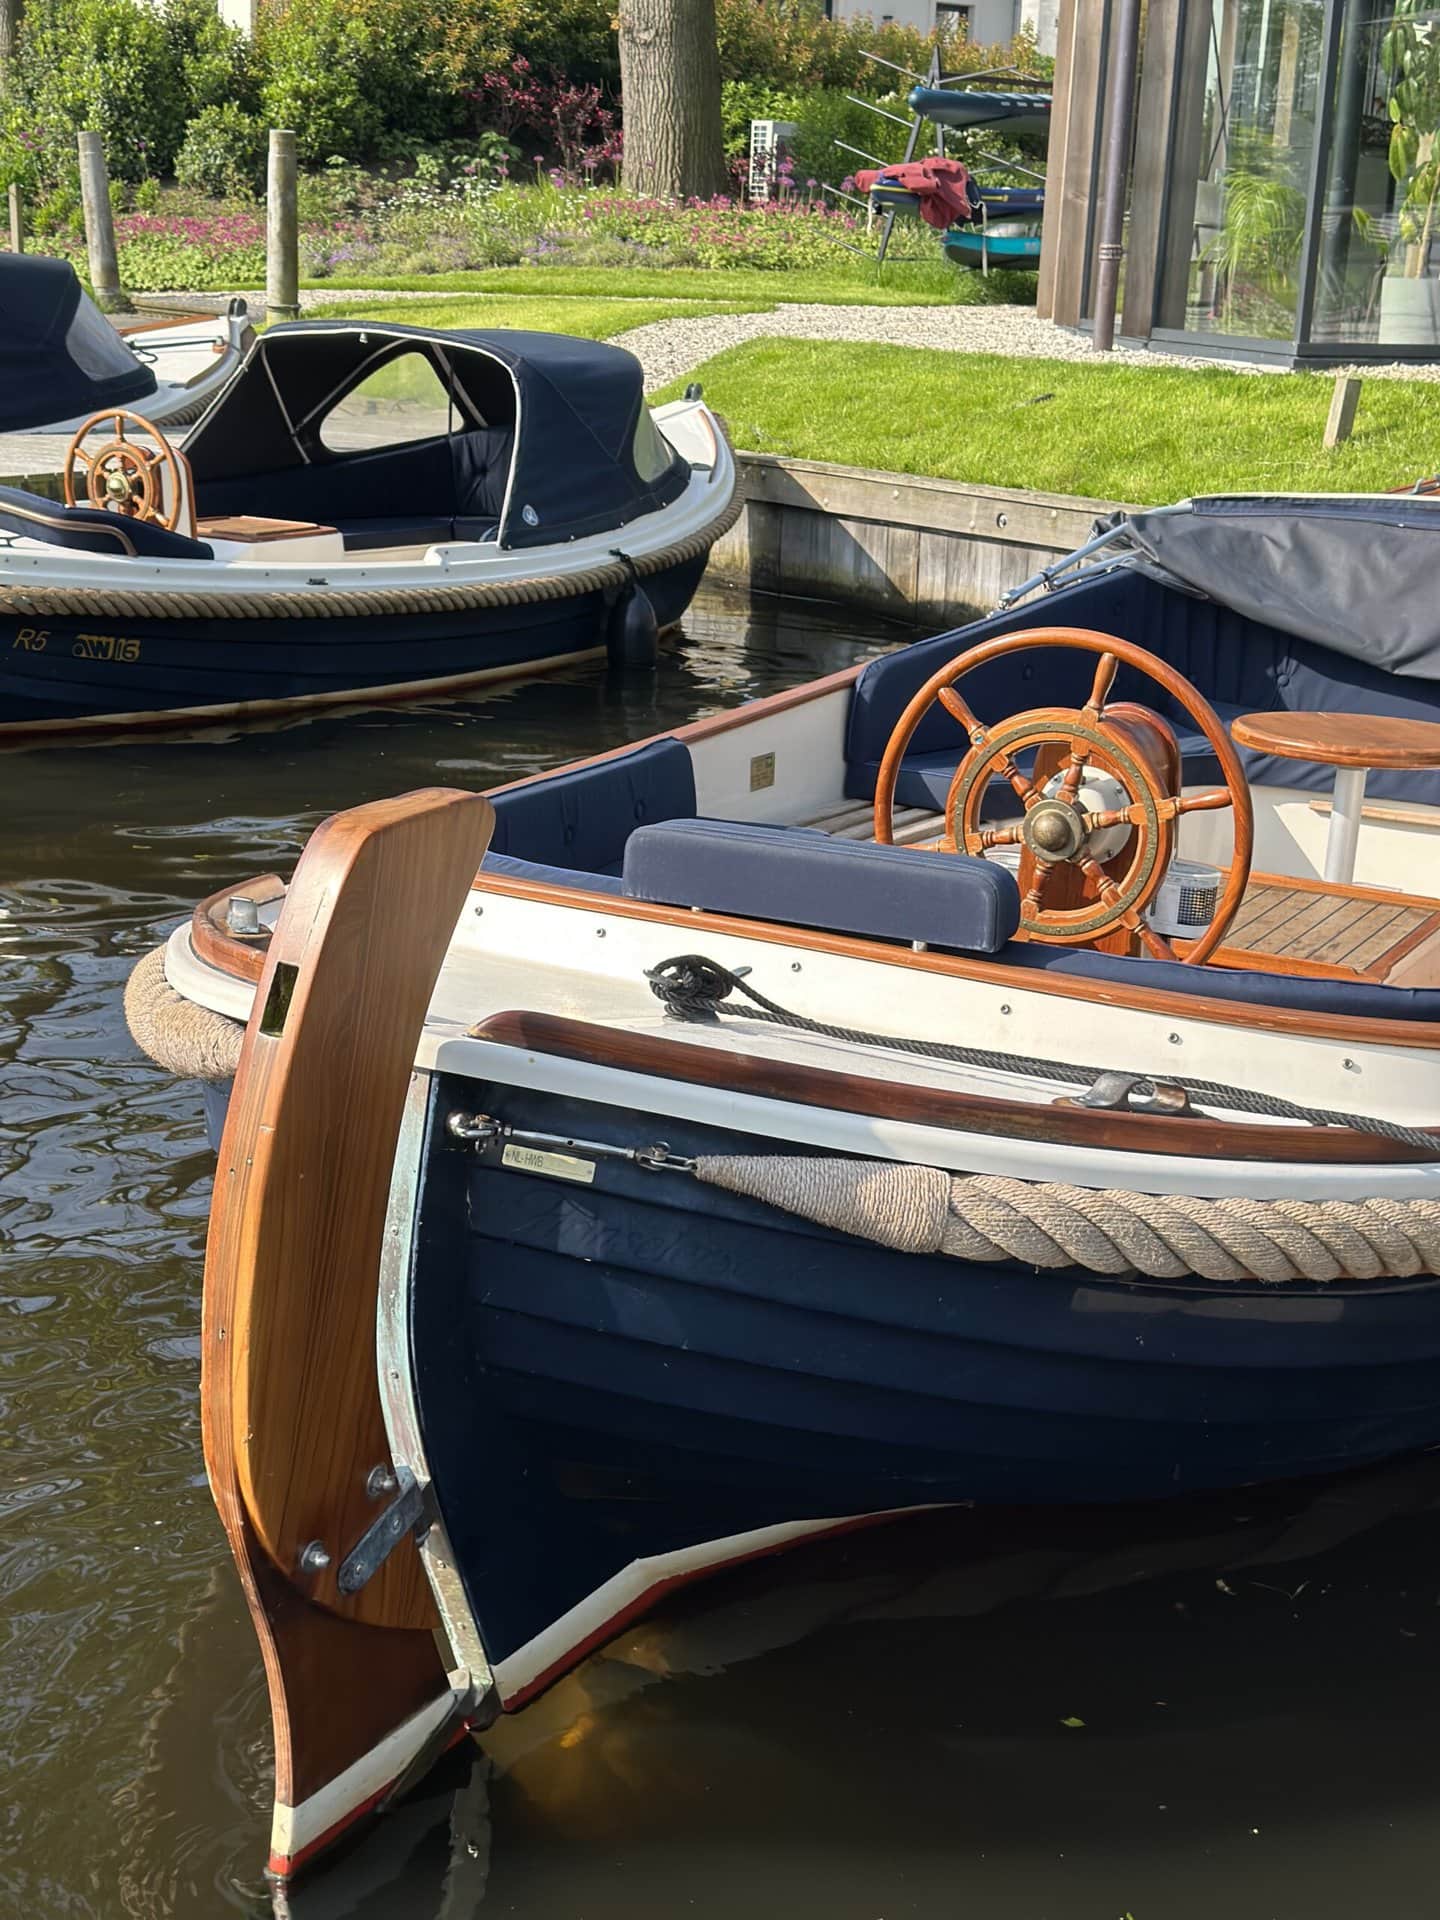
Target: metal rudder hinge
[409,1512]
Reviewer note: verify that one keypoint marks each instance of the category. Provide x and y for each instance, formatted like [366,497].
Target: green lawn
[920,285]
[1137,434]
[595,318]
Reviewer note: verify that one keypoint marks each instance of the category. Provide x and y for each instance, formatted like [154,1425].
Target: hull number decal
[104,646]
[85,646]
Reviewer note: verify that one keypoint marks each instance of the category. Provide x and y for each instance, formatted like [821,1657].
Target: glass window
[653,453]
[1235,231]
[1376,280]
[401,401]
[94,346]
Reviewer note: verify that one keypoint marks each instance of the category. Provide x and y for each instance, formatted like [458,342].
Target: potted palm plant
[1410,60]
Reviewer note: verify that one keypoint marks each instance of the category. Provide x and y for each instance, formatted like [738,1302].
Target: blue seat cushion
[809,879]
[93,529]
[508,867]
[581,820]
[1357,998]
[397,530]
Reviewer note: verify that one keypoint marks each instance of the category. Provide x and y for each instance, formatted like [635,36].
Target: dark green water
[875,1728]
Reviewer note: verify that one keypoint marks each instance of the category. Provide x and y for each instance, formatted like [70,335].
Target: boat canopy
[1354,572]
[545,436]
[59,355]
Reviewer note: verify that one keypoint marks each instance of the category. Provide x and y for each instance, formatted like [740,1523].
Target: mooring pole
[1120,116]
[282,230]
[100,227]
[17,221]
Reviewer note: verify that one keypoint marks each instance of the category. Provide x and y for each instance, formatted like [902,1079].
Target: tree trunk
[10,11]
[670,80]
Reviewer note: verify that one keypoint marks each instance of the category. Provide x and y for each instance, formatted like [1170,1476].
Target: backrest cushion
[1239,665]
[581,820]
[802,878]
[93,529]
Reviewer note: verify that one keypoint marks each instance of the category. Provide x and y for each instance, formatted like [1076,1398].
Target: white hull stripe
[297,1831]
[628,1593]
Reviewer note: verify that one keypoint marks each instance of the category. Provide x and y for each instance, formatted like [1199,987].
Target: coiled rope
[695,988]
[185,1039]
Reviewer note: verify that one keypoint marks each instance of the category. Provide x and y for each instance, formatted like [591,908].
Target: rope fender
[990,1217]
[138,603]
[187,1040]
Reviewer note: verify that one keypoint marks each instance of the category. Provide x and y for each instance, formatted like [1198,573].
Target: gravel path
[668,349]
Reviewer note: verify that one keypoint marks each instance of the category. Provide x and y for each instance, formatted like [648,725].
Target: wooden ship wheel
[1100,806]
[125,475]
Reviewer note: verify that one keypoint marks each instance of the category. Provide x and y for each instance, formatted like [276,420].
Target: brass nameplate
[762,771]
[559,1166]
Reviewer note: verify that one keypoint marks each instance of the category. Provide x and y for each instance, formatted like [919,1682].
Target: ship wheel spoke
[1106,668]
[955,705]
[1208,802]
[997,837]
[1034,901]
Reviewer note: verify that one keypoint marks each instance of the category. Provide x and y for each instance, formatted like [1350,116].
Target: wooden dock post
[110,296]
[1343,402]
[17,220]
[282,230]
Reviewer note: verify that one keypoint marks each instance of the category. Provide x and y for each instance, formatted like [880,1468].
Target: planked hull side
[629,1382]
[94,666]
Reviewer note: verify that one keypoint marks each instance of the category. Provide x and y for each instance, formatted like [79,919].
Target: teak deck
[1359,934]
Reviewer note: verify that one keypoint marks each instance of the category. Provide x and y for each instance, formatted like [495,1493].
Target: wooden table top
[1341,739]
[254,527]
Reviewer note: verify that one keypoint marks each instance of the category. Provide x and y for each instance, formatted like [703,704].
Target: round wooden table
[1352,743]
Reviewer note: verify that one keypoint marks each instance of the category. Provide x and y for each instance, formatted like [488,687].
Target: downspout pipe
[1120,118]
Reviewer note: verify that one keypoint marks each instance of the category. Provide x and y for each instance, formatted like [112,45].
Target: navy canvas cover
[59,356]
[1353,572]
[543,443]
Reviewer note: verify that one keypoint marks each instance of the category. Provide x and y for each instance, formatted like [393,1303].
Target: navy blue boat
[837,1107]
[367,512]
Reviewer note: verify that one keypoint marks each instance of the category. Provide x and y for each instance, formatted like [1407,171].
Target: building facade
[986,22]
[1283,197]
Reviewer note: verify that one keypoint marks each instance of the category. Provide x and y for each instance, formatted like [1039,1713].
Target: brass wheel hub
[1054,831]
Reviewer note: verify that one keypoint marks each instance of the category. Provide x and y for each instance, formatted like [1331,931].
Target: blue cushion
[509,867]
[397,530]
[809,879]
[581,820]
[1357,998]
[93,529]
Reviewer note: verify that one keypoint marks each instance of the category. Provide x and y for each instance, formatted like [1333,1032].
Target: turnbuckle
[483,1130]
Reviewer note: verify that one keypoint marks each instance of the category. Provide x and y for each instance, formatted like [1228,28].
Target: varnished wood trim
[213,942]
[153,323]
[897,1099]
[1353,1029]
[1387,812]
